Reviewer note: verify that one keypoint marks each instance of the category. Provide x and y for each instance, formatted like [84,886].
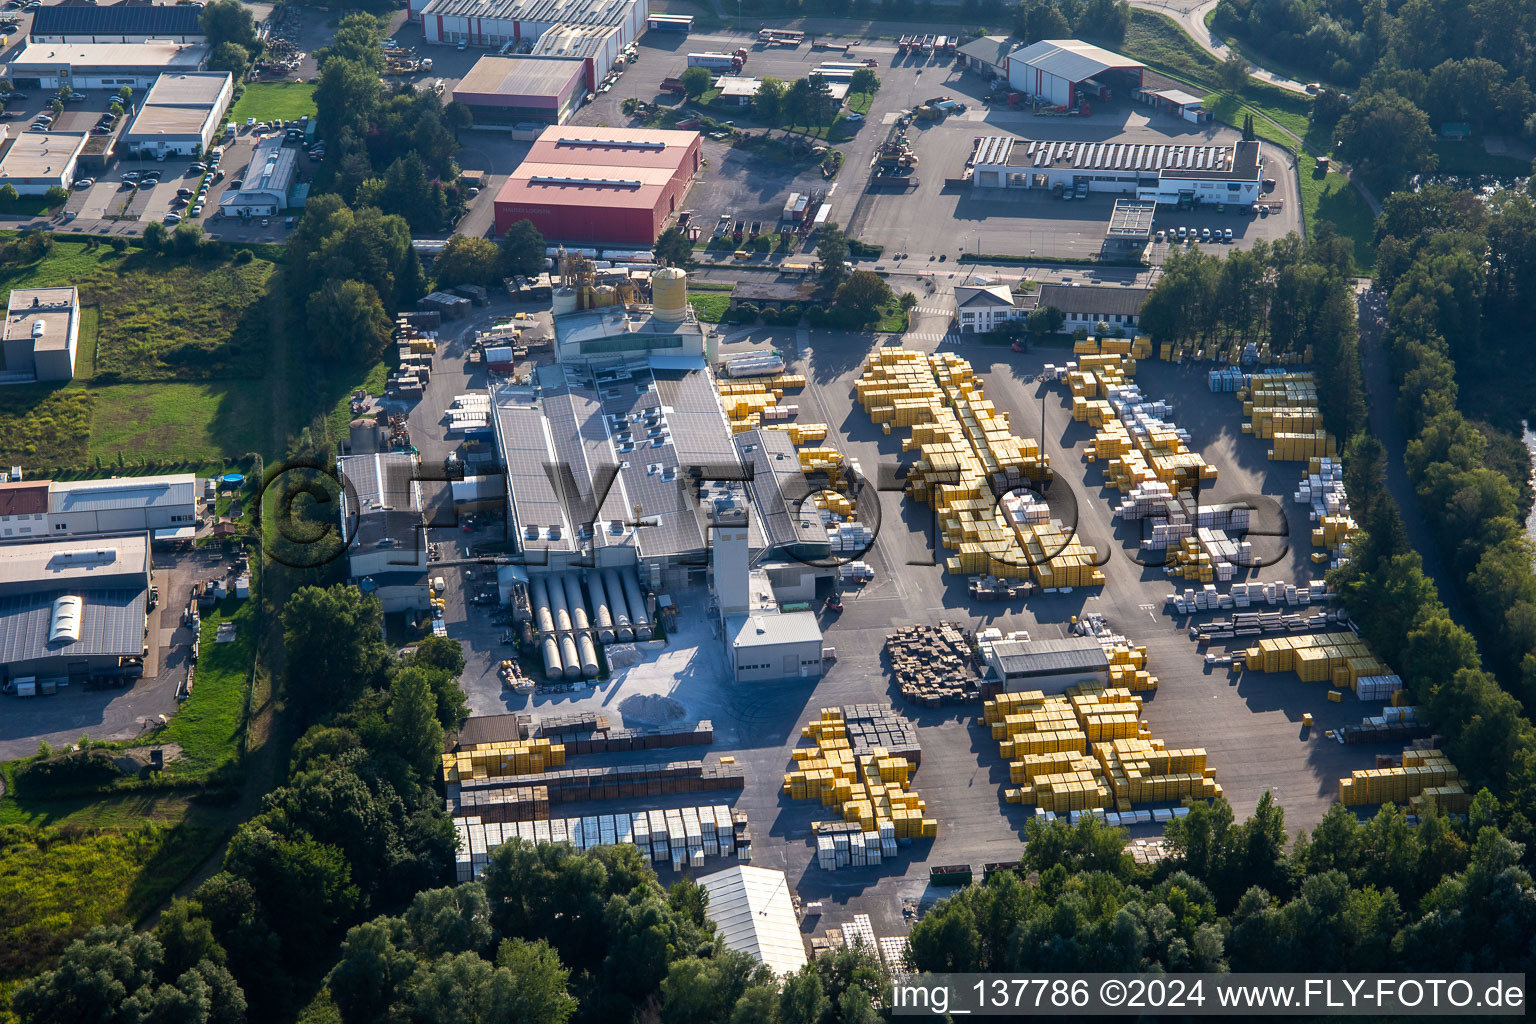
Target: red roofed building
[614,186]
[23,509]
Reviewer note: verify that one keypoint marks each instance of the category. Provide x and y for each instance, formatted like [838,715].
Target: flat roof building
[34,162]
[117,23]
[383,527]
[606,185]
[594,31]
[42,329]
[129,503]
[1130,229]
[182,114]
[264,189]
[1047,665]
[1055,70]
[73,609]
[1161,172]
[614,331]
[42,65]
[1176,102]
[504,91]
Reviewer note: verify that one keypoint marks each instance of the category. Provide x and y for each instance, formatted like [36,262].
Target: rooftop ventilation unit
[64,624]
[545,179]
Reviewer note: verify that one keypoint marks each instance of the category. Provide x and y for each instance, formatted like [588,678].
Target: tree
[357,39]
[56,105]
[539,982]
[8,196]
[334,639]
[347,96]
[832,250]
[1045,320]
[440,652]
[230,57]
[155,236]
[696,82]
[1248,133]
[522,250]
[468,260]
[1232,73]
[1387,137]
[768,102]
[415,733]
[864,80]
[864,294]
[673,249]
[821,108]
[348,321]
[375,970]
[186,938]
[456,920]
[187,238]
[229,21]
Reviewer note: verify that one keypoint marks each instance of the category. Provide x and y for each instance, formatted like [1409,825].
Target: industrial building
[594,31]
[987,55]
[182,114]
[1047,665]
[1057,71]
[34,162]
[165,506]
[1175,102]
[505,91]
[754,914]
[42,330]
[1130,229]
[1087,306]
[102,65]
[117,23]
[264,189]
[984,308]
[73,609]
[383,528]
[23,509]
[1170,173]
[604,185]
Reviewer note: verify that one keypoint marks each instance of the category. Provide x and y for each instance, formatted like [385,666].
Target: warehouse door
[791,665]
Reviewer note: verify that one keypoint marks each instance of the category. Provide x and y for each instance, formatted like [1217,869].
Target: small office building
[984,308]
[102,65]
[34,162]
[42,330]
[506,91]
[181,115]
[264,190]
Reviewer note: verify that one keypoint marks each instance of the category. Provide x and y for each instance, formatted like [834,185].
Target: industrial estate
[572,510]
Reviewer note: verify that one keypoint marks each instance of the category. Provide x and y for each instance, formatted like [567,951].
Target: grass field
[1338,203]
[175,422]
[268,100]
[207,725]
[710,307]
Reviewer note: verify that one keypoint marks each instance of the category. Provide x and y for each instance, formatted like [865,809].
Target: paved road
[1190,14]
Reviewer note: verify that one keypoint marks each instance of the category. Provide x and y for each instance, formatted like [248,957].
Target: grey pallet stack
[877,725]
[932,664]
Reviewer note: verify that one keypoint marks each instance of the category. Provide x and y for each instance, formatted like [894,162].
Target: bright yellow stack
[1283,407]
[1188,560]
[1332,531]
[1335,658]
[1426,779]
[1137,458]
[1142,770]
[801,433]
[833,502]
[869,788]
[745,399]
[820,460]
[502,759]
[1128,668]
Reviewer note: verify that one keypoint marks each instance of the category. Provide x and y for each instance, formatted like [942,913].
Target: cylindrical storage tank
[554,671]
[636,604]
[604,295]
[558,607]
[576,602]
[570,657]
[541,613]
[600,607]
[615,589]
[588,652]
[564,301]
[669,294]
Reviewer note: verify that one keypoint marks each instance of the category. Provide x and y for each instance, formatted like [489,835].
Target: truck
[673,85]
[718,61]
[991,588]
[780,37]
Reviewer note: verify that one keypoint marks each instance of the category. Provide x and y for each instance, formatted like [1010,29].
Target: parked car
[237,184]
[197,211]
[83,183]
[76,97]
[265,221]
[38,128]
[172,218]
[1205,234]
[1226,236]
[183,192]
[197,168]
[131,175]
[1183,233]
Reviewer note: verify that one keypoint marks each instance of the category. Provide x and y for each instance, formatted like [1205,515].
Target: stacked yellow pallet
[1089,749]
[869,788]
[502,759]
[1283,407]
[833,502]
[1425,779]
[1128,668]
[1335,658]
[745,400]
[820,460]
[801,433]
[1136,457]
[1332,531]
[1189,561]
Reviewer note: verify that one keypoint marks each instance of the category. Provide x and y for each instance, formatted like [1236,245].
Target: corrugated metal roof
[1049,657]
[992,49]
[23,498]
[753,913]
[1071,59]
[564,12]
[122,492]
[111,624]
[520,76]
[771,628]
[1099,300]
[158,20]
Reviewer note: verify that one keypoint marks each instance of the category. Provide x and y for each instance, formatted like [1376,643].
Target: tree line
[1376,896]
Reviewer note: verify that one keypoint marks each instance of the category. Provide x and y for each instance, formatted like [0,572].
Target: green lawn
[338,422]
[710,307]
[207,725]
[1334,200]
[175,422]
[859,102]
[268,100]
[893,320]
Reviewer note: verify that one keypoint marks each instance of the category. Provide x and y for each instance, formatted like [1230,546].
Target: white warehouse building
[592,30]
[1053,70]
[1160,172]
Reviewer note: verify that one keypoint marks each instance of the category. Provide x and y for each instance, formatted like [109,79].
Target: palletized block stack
[1322,489]
[1338,659]
[1089,749]
[869,788]
[801,433]
[497,760]
[968,456]
[1425,779]
[1283,408]
[750,403]
[932,664]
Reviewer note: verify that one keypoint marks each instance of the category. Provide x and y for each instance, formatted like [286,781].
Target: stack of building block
[869,787]
[801,433]
[1339,659]
[750,402]
[1283,407]
[502,759]
[1425,779]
